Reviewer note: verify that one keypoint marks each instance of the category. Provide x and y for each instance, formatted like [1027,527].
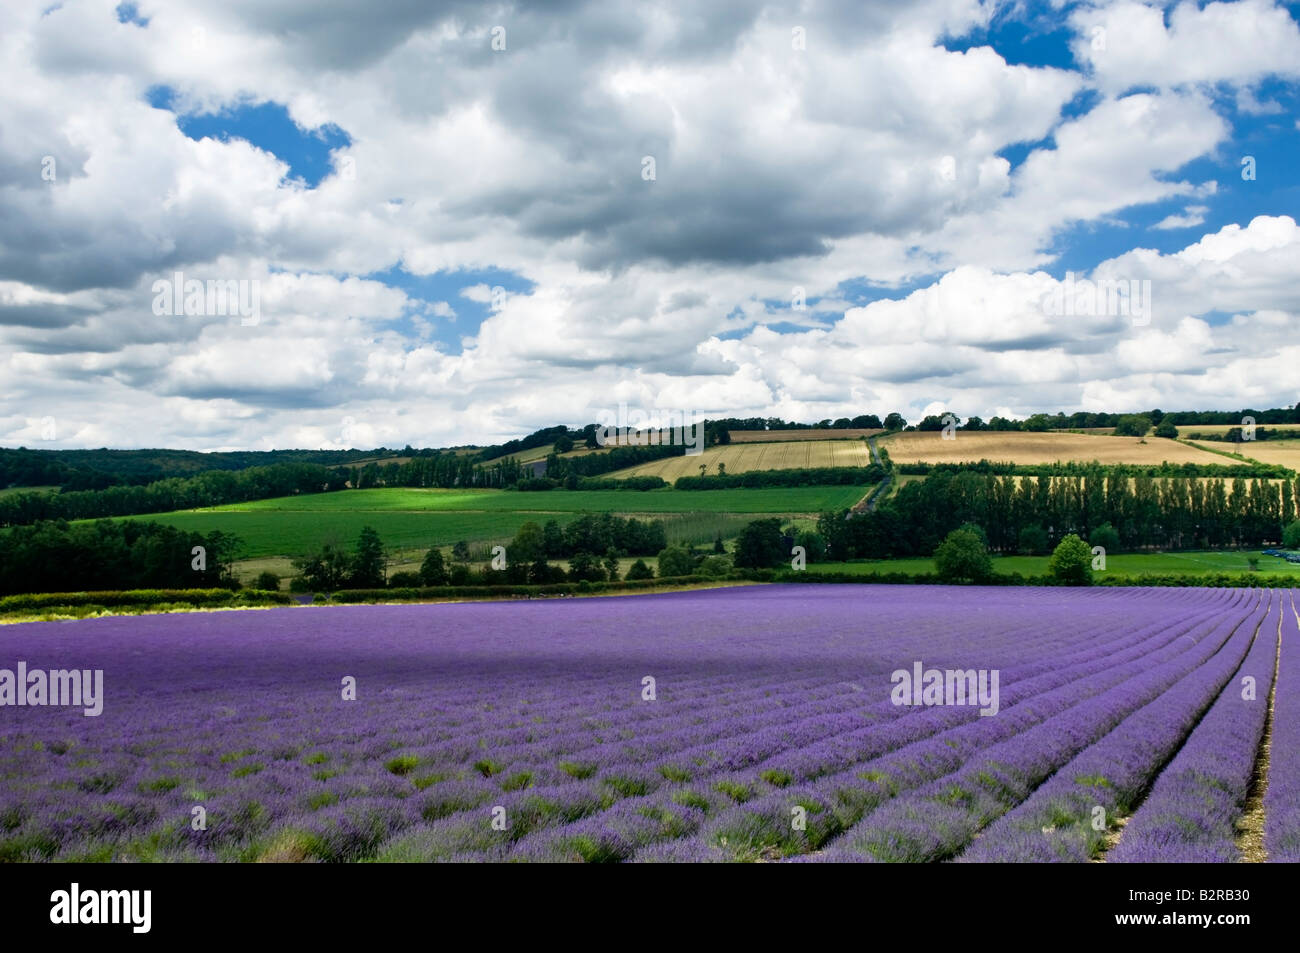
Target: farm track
[1250,841]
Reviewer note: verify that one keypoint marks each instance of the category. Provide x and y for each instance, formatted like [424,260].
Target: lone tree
[369,563]
[639,570]
[433,571]
[1071,562]
[675,561]
[760,545]
[961,557]
[1167,430]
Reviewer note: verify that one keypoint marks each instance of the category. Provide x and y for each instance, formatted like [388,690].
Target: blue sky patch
[267,126]
[130,13]
[422,323]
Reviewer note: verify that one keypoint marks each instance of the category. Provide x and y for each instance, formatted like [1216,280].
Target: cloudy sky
[459,222]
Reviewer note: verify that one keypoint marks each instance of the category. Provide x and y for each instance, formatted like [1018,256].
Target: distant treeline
[1236,435]
[99,469]
[58,557]
[442,470]
[1034,514]
[1269,471]
[214,488]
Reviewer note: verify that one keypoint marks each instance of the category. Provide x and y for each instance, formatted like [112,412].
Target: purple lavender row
[765,825]
[835,714]
[1191,812]
[1282,796]
[940,819]
[443,802]
[810,743]
[260,761]
[838,801]
[1068,818]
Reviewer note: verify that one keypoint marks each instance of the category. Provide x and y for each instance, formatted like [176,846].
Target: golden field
[1049,447]
[739,458]
[1186,430]
[782,436]
[1284,452]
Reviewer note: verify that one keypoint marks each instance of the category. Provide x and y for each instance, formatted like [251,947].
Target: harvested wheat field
[739,458]
[1284,452]
[1186,430]
[1016,447]
[781,436]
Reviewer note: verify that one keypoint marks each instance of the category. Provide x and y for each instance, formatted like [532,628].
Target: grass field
[739,458]
[1029,448]
[411,519]
[783,436]
[1119,563]
[10,490]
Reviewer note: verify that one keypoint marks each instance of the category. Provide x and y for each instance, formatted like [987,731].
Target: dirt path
[1113,837]
[1250,839]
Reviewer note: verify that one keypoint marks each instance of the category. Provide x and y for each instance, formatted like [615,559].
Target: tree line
[55,556]
[1037,513]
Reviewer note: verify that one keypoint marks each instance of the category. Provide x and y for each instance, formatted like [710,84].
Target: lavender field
[753,723]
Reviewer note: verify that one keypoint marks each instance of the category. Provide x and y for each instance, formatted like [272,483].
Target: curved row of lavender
[1104,781]
[1282,797]
[536,714]
[1191,812]
[940,819]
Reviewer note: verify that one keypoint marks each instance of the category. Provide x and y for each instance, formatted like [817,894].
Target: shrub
[1166,429]
[639,570]
[1291,535]
[404,580]
[961,557]
[1071,562]
[268,581]
[715,566]
[1106,537]
[585,567]
[675,561]
[814,546]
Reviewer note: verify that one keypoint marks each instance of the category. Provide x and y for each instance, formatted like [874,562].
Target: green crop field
[409,519]
[800,499]
[1128,564]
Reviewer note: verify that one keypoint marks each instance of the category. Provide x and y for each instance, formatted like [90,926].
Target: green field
[1127,564]
[10,490]
[802,499]
[410,519]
